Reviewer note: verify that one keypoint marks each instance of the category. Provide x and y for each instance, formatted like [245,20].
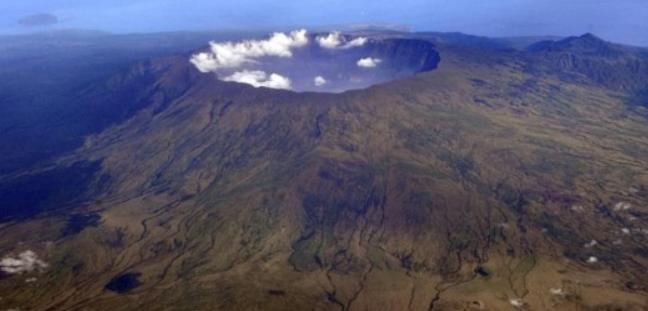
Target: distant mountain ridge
[612,65]
[587,44]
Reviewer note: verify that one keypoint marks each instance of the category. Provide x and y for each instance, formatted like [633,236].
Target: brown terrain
[505,179]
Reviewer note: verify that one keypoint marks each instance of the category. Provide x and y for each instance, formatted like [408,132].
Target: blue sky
[617,20]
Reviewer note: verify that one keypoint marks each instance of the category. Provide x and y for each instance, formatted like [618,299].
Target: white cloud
[330,41]
[319,81]
[233,55]
[369,62]
[335,40]
[26,261]
[360,41]
[258,78]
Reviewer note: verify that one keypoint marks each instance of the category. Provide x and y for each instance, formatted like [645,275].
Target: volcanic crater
[330,63]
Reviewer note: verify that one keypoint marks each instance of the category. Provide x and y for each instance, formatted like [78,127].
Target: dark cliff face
[407,54]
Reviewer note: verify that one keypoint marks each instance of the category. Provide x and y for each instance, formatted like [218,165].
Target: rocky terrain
[503,179]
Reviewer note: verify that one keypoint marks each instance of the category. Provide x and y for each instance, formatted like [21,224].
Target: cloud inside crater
[258,78]
[368,62]
[335,40]
[234,55]
[269,62]
[26,261]
[319,81]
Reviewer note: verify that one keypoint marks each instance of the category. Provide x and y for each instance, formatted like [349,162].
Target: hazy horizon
[623,22]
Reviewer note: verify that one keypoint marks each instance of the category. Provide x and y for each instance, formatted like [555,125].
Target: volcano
[451,177]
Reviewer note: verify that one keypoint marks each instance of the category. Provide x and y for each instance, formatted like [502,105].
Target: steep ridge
[470,186]
[607,64]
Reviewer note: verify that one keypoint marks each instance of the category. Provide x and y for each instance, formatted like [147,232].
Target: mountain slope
[53,87]
[611,65]
[479,185]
